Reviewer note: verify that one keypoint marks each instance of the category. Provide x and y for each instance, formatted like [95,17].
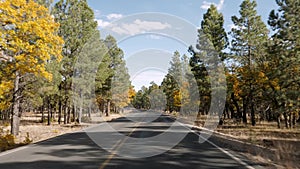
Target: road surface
[79,151]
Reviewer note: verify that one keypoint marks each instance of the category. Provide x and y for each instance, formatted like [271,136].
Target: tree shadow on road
[77,150]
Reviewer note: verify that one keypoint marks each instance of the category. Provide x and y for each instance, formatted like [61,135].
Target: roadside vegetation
[41,42]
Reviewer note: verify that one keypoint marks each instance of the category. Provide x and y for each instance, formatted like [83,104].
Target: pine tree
[77,26]
[212,27]
[83,80]
[248,40]
[172,82]
[112,78]
[284,60]
[212,40]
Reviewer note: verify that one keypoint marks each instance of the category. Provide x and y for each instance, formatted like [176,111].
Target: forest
[45,48]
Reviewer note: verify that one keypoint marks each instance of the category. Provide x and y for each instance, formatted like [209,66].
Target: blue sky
[138,34]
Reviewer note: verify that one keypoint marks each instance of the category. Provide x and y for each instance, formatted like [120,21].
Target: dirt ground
[284,142]
[37,131]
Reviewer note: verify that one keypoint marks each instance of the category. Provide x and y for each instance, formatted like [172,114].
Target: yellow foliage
[29,40]
[30,35]
[275,84]
[131,93]
[5,86]
[177,98]
[7,141]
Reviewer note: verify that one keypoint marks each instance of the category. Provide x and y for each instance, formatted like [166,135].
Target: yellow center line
[116,147]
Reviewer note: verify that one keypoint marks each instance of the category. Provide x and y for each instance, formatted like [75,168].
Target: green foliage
[284,59]
[213,28]
[141,100]
[249,37]
[77,27]
[112,78]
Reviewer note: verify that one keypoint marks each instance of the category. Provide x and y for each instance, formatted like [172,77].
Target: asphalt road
[124,143]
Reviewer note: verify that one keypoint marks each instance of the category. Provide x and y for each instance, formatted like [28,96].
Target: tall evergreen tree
[213,28]
[77,25]
[212,40]
[284,60]
[112,79]
[249,37]
[172,82]
[84,85]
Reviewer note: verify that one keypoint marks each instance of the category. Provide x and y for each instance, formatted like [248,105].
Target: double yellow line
[117,146]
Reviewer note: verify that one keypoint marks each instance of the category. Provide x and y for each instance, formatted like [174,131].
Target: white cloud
[156,37]
[102,23]
[97,13]
[144,78]
[206,5]
[231,26]
[138,26]
[114,16]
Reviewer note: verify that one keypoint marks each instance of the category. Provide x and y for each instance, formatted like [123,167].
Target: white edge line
[228,153]
[14,150]
[221,149]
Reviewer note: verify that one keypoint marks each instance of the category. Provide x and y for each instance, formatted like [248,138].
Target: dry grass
[32,129]
[285,142]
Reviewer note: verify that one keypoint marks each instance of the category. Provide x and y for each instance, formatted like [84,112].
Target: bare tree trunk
[294,120]
[290,120]
[103,108]
[245,111]
[108,108]
[59,111]
[73,114]
[42,111]
[65,114]
[239,113]
[278,121]
[253,121]
[80,114]
[59,104]
[49,112]
[15,120]
[286,120]
[90,111]
[54,112]
[69,115]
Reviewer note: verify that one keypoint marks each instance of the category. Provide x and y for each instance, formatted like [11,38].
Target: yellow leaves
[131,93]
[261,74]
[275,84]
[5,86]
[29,37]
[4,104]
[33,37]
[177,98]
